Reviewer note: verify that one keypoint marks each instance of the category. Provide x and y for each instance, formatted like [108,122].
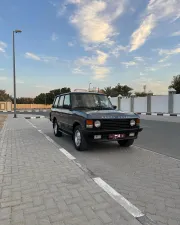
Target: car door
[54,108]
[59,112]
[66,112]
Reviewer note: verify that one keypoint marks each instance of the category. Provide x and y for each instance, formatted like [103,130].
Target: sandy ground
[2,119]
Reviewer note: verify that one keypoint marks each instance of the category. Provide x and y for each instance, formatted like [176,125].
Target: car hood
[106,114]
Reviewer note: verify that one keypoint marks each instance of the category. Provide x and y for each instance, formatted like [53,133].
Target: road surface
[161,134]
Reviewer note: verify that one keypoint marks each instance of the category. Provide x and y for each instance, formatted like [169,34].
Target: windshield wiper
[82,107]
[103,108]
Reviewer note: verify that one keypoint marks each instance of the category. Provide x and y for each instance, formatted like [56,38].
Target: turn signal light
[89,123]
[137,121]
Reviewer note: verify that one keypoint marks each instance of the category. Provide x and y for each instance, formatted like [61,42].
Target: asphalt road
[161,134]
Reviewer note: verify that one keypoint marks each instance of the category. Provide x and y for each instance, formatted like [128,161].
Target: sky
[76,42]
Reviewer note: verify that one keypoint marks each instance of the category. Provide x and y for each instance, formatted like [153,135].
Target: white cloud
[156,86]
[42,58]
[174,51]
[130,63]
[48,59]
[95,64]
[99,59]
[139,59]
[163,59]
[151,69]
[3,47]
[30,55]
[3,78]
[54,36]
[176,33]
[78,71]
[72,43]
[142,33]
[156,11]
[1,69]
[94,19]
[116,51]
[100,72]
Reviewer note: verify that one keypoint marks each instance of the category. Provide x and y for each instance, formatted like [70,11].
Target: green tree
[108,91]
[4,96]
[24,100]
[140,94]
[40,99]
[176,84]
[47,98]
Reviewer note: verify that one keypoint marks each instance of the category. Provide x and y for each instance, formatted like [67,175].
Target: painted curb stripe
[66,153]
[118,198]
[160,114]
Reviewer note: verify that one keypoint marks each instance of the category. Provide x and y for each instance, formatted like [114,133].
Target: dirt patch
[2,119]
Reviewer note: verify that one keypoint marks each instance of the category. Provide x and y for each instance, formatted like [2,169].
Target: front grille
[115,124]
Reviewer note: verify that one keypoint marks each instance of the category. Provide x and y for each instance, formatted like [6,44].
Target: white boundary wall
[177,103]
[140,104]
[126,104]
[159,103]
[114,101]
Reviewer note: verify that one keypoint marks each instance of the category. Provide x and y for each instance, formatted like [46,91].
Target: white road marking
[71,157]
[133,210]
[143,113]
[48,138]
[40,131]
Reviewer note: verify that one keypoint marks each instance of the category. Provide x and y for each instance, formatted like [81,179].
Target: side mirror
[114,107]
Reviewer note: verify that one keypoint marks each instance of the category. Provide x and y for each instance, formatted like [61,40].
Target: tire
[57,132]
[126,143]
[78,139]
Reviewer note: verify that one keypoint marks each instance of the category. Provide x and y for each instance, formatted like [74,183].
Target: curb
[159,114]
[34,117]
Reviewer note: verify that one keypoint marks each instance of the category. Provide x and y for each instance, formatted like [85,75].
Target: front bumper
[89,134]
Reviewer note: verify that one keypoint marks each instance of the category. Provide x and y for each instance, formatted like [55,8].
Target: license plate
[116,136]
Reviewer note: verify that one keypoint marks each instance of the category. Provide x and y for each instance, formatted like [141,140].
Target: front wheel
[126,143]
[57,132]
[78,139]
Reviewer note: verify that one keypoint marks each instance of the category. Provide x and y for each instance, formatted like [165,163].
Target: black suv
[90,117]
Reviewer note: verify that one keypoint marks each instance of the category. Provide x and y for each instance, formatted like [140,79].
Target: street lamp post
[14,71]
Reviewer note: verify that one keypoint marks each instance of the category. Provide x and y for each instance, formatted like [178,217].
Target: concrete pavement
[148,180]
[39,185]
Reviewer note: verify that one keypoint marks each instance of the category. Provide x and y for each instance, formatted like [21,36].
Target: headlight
[132,123]
[97,123]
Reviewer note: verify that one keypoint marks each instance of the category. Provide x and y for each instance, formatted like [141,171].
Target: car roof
[80,92]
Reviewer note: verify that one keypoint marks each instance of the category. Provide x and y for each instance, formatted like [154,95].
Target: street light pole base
[15,116]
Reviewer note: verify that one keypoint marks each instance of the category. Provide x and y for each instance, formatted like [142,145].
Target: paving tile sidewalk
[40,186]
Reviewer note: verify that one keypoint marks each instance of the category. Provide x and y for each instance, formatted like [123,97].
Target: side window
[56,102]
[67,100]
[60,105]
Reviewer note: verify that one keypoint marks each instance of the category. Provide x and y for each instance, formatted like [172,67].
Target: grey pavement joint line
[133,210]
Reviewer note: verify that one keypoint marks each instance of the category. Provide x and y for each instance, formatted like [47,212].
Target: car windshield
[91,101]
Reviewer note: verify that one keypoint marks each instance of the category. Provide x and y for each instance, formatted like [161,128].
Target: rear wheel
[78,139]
[57,132]
[126,143]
